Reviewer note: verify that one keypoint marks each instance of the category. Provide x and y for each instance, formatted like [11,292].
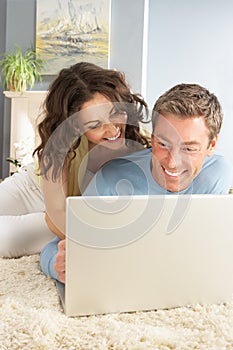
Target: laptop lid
[147,252]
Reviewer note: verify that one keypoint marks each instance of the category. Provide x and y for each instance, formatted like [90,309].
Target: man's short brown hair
[189,101]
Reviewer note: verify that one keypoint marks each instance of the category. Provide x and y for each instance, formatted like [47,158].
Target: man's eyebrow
[192,142]
[161,137]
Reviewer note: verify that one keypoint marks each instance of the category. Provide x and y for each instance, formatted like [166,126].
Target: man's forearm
[48,257]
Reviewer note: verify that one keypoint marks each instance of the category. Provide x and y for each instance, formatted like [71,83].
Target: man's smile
[172,173]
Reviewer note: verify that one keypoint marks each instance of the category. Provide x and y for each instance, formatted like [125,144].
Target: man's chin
[178,186]
[173,189]
[178,189]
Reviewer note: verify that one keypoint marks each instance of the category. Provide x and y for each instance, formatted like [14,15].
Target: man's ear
[212,146]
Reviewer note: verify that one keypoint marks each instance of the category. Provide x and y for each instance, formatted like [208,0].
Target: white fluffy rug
[31,318]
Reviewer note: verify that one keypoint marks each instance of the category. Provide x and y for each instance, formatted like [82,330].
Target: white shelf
[26,94]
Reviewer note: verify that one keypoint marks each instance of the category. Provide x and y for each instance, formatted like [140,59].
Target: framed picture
[71,31]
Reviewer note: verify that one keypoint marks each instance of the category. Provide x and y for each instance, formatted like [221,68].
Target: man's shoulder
[132,167]
[124,175]
[219,162]
[216,176]
[125,161]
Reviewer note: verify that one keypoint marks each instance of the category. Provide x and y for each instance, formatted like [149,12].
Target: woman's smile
[117,136]
[102,123]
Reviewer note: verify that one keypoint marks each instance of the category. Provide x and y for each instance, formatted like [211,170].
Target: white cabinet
[25,113]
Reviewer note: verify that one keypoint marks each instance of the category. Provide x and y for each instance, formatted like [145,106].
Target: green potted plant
[17,163]
[21,69]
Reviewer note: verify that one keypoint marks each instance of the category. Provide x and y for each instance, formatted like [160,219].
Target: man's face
[179,147]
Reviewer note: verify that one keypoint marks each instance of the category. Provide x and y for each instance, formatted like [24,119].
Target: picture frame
[72,31]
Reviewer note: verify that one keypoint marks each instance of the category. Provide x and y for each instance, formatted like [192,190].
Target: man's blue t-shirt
[131,175]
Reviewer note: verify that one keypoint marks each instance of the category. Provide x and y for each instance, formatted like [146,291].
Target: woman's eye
[94,126]
[114,116]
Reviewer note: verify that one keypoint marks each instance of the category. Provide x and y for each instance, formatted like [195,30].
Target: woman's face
[101,123]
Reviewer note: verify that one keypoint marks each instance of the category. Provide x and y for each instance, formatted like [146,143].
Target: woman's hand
[60,262]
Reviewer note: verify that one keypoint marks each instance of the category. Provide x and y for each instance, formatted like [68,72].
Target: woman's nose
[110,130]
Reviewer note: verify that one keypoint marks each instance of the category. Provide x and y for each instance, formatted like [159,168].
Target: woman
[90,117]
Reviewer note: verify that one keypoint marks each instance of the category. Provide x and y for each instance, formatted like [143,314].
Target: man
[186,121]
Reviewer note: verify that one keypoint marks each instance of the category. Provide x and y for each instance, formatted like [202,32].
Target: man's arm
[99,186]
[48,258]
[52,259]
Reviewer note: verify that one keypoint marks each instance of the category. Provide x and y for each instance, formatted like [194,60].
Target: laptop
[137,253]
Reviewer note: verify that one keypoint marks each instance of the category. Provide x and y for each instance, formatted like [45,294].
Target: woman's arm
[55,193]
[52,227]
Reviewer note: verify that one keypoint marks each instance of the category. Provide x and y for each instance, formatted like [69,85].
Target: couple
[186,121]
[91,117]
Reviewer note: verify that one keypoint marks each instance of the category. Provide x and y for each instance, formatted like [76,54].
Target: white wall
[192,41]
[126,39]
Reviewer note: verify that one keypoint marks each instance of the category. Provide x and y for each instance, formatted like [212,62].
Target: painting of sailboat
[71,31]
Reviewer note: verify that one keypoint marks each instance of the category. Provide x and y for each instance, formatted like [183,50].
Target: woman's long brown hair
[69,91]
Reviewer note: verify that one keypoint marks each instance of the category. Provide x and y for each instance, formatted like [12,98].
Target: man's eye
[190,149]
[162,144]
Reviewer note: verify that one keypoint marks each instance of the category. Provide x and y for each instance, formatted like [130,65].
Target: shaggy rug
[31,318]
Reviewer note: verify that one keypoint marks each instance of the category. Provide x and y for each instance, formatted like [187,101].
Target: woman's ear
[212,146]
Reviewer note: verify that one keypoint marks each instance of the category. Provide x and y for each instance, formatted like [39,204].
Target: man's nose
[174,159]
